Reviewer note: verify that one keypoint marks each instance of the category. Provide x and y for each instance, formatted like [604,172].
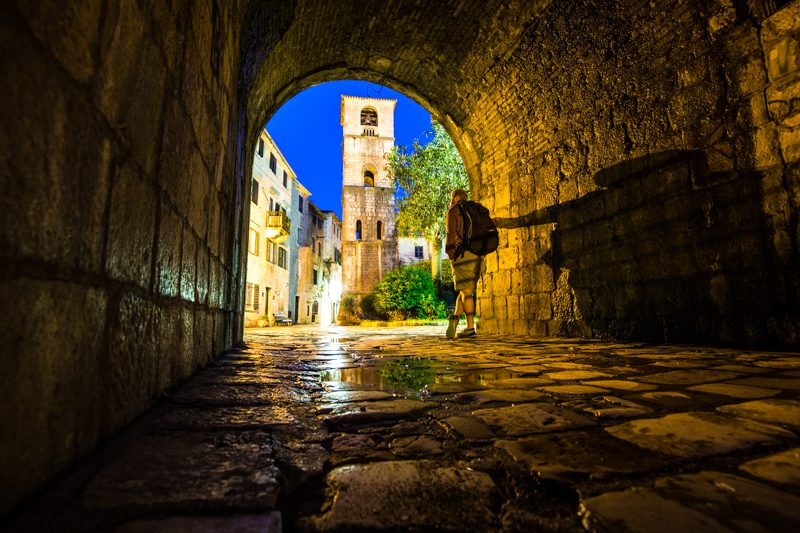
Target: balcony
[277,226]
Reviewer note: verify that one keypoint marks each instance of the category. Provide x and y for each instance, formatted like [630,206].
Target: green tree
[406,292]
[424,176]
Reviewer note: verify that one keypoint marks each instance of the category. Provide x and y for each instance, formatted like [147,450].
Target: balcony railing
[277,226]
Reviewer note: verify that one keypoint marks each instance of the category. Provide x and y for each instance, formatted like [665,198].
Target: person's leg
[452,320]
[459,310]
[468,306]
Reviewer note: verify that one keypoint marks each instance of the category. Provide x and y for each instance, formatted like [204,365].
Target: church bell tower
[369,239]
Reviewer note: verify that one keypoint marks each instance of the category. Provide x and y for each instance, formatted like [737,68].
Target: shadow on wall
[667,251]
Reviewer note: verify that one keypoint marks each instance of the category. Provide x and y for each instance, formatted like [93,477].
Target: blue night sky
[307,132]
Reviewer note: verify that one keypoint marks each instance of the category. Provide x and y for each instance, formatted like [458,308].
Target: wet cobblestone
[351,429]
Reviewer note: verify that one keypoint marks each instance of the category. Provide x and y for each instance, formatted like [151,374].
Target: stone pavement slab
[244,523]
[781,412]
[501,433]
[178,471]
[573,389]
[687,377]
[735,391]
[574,375]
[351,414]
[500,395]
[228,417]
[622,384]
[783,467]
[698,434]
[770,382]
[517,383]
[400,495]
[528,418]
[580,454]
[468,427]
[706,501]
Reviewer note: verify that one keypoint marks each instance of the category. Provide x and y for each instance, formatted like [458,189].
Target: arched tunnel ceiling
[431,51]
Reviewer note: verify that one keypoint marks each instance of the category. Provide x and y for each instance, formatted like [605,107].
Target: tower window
[369,117]
[379,231]
[369,179]
[358,230]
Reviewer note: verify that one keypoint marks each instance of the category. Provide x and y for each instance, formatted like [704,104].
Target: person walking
[467,266]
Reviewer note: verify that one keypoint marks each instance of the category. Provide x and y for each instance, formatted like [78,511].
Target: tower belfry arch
[369,241]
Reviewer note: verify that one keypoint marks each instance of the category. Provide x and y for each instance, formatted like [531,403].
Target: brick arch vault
[641,158]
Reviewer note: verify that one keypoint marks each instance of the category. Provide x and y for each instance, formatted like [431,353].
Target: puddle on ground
[411,376]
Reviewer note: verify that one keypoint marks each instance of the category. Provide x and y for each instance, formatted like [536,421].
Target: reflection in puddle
[409,376]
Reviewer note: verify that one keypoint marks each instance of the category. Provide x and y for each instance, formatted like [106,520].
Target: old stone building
[643,159]
[369,241]
[319,267]
[271,246]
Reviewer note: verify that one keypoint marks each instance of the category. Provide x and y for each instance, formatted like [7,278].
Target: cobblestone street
[361,429]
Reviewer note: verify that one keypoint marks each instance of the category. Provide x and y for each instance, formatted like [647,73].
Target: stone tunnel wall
[128,128]
[665,256]
[119,233]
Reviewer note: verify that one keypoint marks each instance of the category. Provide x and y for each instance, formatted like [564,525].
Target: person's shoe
[452,324]
[467,333]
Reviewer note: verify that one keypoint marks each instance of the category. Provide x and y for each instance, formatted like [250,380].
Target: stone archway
[642,159]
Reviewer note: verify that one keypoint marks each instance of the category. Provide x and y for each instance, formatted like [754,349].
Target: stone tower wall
[365,261]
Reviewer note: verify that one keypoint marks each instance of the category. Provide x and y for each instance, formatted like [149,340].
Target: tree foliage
[407,292]
[424,176]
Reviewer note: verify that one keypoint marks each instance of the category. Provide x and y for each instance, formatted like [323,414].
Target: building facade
[320,273]
[369,238]
[413,249]
[294,249]
[270,269]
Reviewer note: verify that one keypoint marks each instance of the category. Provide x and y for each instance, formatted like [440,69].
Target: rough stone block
[180,472]
[168,259]
[122,36]
[203,330]
[185,359]
[402,496]
[54,173]
[188,265]
[129,374]
[49,406]
[169,335]
[513,306]
[72,35]
[500,310]
[131,229]
[198,195]
[178,147]
[203,275]
[790,145]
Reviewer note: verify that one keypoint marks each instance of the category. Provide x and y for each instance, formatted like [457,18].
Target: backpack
[480,232]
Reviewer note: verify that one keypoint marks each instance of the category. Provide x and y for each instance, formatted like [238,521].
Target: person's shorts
[467,271]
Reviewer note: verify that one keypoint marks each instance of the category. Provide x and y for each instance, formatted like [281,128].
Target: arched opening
[369,122]
[369,178]
[358,230]
[379,230]
[575,175]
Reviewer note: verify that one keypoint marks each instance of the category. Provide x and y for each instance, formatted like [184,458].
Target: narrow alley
[310,429]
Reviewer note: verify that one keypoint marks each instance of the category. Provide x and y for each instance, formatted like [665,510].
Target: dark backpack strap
[461,248]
